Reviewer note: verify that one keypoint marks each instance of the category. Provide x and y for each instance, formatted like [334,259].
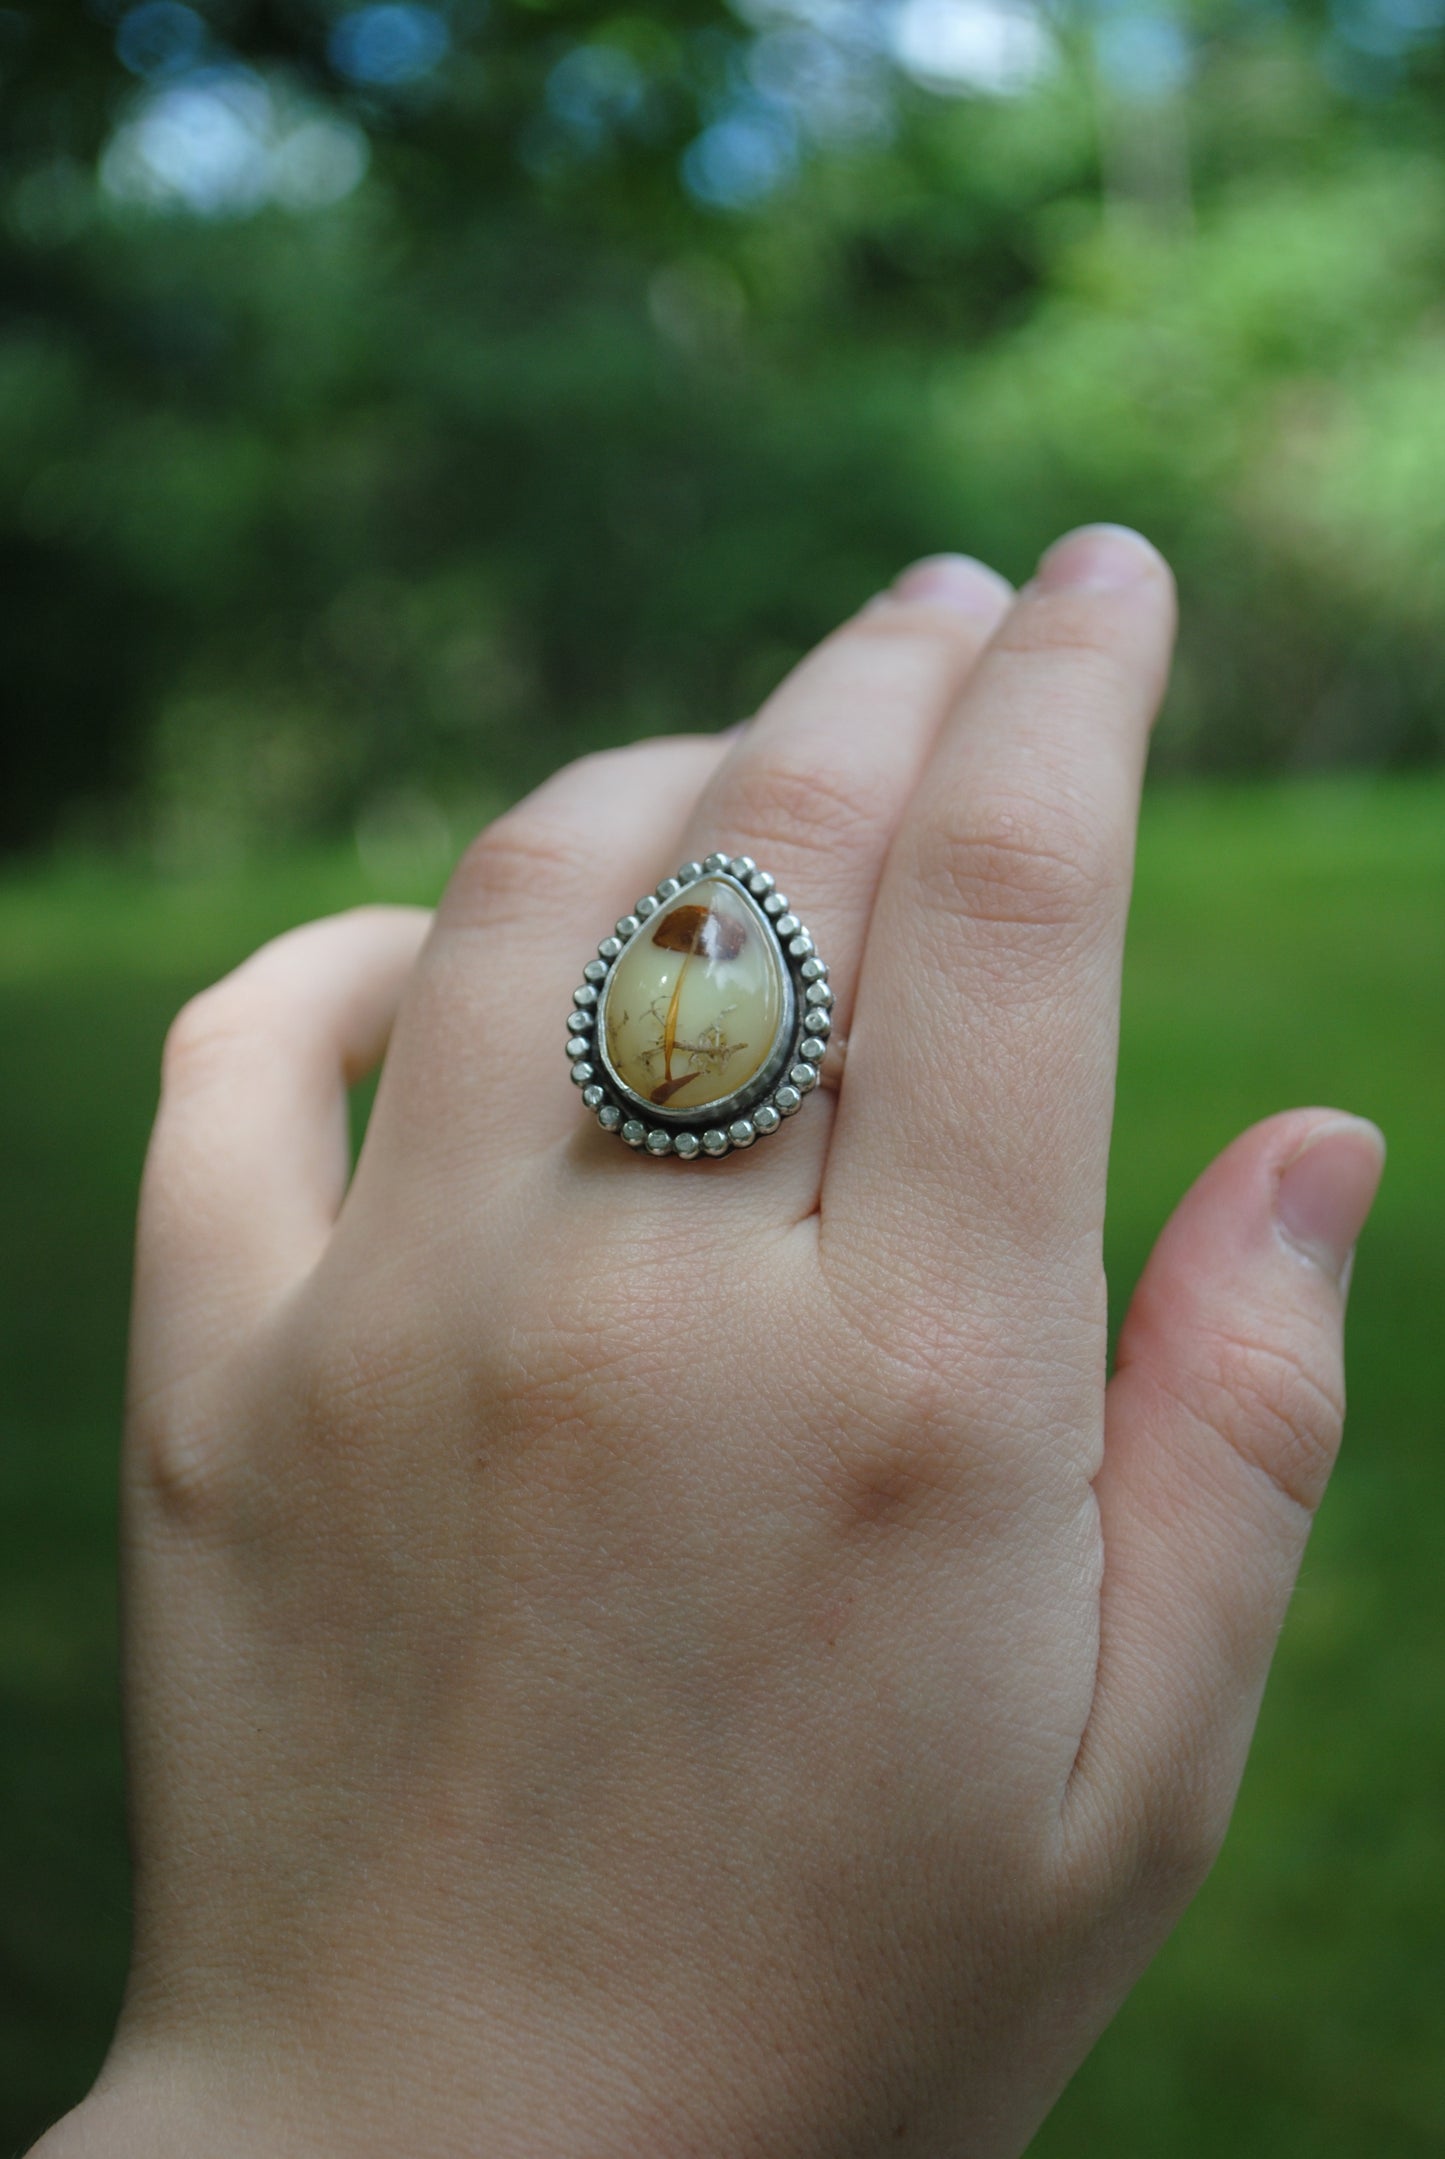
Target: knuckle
[217,1024]
[502,870]
[202,1039]
[1176,1843]
[182,1462]
[1159,1858]
[897,659]
[1285,1414]
[787,808]
[1145,1845]
[1012,863]
[1063,626]
[908,635]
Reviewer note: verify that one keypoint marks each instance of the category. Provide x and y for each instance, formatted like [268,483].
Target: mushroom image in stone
[696,1004]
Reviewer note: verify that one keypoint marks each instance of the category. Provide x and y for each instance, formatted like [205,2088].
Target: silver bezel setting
[772,1096]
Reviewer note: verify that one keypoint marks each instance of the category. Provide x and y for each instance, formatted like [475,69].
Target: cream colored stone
[695,1006]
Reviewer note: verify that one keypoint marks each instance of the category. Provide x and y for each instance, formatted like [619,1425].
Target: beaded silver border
[772,1096]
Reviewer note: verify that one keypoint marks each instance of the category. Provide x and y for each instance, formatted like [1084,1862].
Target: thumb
[1223,1423]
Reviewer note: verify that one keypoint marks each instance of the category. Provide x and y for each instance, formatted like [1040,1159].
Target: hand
[652,1660]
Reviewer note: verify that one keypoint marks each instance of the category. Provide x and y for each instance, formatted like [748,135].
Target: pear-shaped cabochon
[697,1003]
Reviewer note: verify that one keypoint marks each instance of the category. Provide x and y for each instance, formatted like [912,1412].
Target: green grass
[1288,946]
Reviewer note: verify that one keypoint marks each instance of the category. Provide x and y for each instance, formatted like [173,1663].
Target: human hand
[642,1658]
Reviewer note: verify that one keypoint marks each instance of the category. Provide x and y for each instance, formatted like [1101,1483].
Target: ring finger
[815,787]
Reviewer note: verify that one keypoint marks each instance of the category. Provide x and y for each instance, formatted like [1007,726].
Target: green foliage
[1288,946]
[539,436]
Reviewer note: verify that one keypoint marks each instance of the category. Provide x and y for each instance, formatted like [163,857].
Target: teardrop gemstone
[698,1002]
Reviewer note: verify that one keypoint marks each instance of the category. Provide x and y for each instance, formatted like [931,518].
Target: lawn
[1288,946]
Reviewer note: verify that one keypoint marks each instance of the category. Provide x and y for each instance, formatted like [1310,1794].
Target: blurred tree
[402,397]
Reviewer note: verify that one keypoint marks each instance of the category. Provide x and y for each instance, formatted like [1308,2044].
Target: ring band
[702,1022]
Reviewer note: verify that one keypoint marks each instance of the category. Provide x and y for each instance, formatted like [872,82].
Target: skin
[636,1660]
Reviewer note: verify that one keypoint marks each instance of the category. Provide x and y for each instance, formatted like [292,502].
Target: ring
[703,1020]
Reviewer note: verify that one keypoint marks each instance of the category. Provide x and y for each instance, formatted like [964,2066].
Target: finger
[1223,1423]
[476,1076]
[814,788]
[249,1156]
[973,1135]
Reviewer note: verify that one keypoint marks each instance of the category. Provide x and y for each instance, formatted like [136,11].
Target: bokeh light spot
[225,142]
[319,162]
[199,144]
[741,159]
[594,89]
[998,48]
[160,38]
[388,46]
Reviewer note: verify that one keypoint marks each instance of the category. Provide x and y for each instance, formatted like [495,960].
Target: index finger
[973,1127]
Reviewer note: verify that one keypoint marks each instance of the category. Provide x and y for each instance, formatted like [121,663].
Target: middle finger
[975,1124]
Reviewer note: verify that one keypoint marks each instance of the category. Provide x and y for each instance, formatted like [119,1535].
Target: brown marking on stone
[698,931]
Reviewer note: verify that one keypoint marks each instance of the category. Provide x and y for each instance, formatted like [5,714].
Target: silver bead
[715,862]
[788,1101]
[593,1097]
[596,970]
[687,1144]
[743,1133]
[669,888]
[814,1050]
[647,905]
[609,1116]
[761,885]
[688,874]
[742,866]
[715,1142]
[634,1133]
[587,995]
[815,970]
[582,1073]
[819,993]
[609,948]
[767,1119]
[627,926]
[659,1143]
[804,1078]
[820,1022]
[787,926]
[801,945]
[578,1045]
[775,904]
[577,1020]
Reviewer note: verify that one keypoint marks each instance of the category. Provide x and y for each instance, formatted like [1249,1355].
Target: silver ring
[703,1021]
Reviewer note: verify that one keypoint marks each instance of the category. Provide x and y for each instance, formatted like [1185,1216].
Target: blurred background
[397,399]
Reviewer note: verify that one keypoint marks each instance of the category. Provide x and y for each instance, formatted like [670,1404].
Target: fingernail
[954,581]
[1326,1190]
[1096,558]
